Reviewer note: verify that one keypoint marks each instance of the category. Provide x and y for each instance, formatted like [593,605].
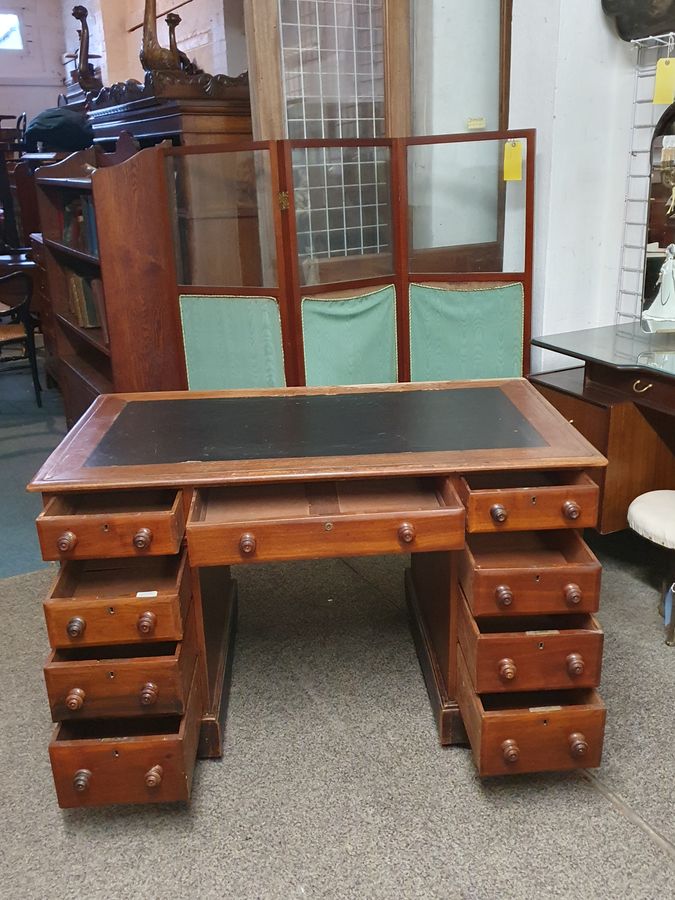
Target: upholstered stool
[652,516]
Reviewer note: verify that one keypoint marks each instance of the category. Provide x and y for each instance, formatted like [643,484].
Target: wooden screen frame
[289,290]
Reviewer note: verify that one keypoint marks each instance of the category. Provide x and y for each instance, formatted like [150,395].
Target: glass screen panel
[343,213]
[463,215]
[223,222]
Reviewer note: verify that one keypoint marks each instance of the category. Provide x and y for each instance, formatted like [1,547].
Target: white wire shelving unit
[645,116]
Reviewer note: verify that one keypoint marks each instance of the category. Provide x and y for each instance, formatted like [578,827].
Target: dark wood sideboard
[151,498]
[623,401]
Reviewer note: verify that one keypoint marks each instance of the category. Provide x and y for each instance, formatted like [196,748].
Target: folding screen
[379,259]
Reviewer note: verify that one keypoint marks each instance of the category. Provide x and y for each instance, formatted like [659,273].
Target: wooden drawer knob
[66,541]
[149,694]
[81,780]
[142,539]
[76,627]
[498,514]
[578,744]
[575,665]
[153,777]
[573,595]
[247,543]
[75,699]
[571,509]
[406,533]
[146,623]
[507,669]
[510,751]
[504,596]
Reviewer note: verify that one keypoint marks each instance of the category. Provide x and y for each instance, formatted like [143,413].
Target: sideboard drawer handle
[571,509]
[642,390]
[153,777]
[75,699]
[510,751]
[573,595]
[66,541]
[507,669]
[247,543]
[146,623]
[406,533]
[504,596]
[81,780]
[578,744]
[142,539]
[76,627]
[575,665]
[498,514]
[149,694]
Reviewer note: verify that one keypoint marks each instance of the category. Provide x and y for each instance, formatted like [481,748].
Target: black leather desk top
[156,432]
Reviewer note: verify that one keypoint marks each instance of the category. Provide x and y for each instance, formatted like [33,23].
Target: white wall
[31,79]
[572,79]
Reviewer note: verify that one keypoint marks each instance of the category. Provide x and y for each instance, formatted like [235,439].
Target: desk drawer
[127,760]
[527,573]
[98,602]
[516,654]
[540,732]
[518,501]
[124,680]
[111,524]
[263,523]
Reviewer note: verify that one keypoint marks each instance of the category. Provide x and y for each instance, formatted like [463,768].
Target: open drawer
[527,573]
[529,654]
[105,601]
[531,732]
[515,501]
[263,523]
[96,762]
[111,524]
[122,680]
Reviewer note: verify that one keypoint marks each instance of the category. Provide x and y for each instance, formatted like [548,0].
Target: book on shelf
[86,306]
[79,225]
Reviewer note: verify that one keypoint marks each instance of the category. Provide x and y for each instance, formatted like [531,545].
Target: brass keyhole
[111,676]
[540,645]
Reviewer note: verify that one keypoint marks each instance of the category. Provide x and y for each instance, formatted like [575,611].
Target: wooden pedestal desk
[151,498]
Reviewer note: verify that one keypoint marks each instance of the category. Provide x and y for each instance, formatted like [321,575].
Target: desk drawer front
[360,518]
[101,602]
[528,500]
[512,733]
[128,680]
[110,525]
[127,761]
[528,574]
[558,653]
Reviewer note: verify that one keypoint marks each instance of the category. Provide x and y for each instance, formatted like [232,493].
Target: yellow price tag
[664,85]
[513,161]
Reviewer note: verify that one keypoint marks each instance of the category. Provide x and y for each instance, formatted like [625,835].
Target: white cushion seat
[652,515]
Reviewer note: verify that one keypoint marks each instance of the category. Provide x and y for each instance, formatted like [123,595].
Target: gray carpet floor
[333,784]
[28,434]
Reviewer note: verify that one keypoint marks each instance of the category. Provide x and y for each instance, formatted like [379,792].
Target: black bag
[59,129]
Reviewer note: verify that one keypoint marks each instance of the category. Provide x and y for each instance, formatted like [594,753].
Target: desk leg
[431,593]
[217,593]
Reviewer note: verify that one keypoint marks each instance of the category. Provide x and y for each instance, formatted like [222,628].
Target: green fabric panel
[232,342]
[466,335]
[351,341]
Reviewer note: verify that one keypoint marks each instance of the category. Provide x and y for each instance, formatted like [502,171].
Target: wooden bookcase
[114,328]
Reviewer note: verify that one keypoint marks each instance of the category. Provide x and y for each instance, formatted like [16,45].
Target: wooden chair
[17,324]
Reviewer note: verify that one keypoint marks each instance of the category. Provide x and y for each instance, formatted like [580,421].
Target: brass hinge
[284,202]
